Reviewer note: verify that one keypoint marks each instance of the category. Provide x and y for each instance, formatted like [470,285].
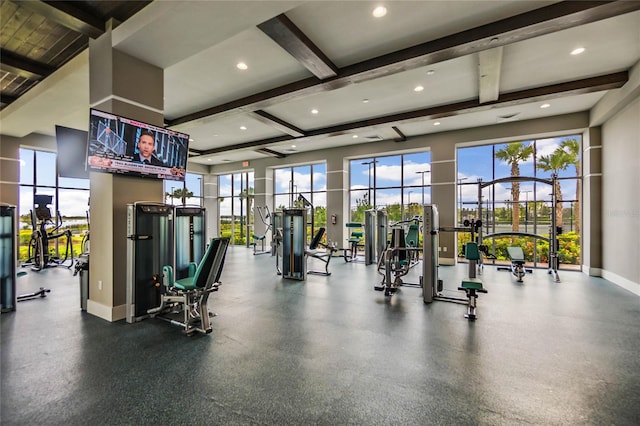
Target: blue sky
[473,163]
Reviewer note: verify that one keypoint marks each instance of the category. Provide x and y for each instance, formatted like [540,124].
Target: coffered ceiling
[321,74]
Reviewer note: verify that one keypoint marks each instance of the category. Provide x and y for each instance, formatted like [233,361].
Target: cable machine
[554,229]
[294,240]
[8,257]
[149,248]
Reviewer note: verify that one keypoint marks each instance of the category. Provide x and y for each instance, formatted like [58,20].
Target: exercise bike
[38,249]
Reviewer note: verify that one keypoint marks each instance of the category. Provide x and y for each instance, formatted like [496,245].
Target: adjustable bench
[517,263]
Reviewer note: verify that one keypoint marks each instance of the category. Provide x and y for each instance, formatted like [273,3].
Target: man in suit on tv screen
[146,146]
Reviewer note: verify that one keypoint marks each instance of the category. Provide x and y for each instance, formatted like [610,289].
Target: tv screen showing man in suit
[124,146]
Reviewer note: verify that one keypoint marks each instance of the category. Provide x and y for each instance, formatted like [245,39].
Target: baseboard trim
[622,282]
[107,313]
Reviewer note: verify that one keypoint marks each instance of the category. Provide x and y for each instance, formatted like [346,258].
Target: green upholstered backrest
[471,251]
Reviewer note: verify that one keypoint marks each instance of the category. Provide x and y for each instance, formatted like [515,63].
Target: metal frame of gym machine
[552,240]
[432,286]
[150,246]
[294,241]
[8,257]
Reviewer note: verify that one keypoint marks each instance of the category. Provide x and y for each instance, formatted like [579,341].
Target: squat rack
[553,233]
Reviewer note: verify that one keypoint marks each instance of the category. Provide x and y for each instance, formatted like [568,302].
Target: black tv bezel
[126,165]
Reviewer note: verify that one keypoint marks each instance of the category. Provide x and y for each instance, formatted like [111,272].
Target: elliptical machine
[38,250]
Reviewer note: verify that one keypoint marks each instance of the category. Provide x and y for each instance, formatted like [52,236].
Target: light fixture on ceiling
[577,51]
[430,72]
[314,111]
[225,160]
[543,106]
[243,127]
[355,136]
[293,146]
[190,139]
[437,123]
[209,159]
[365,101]
[418,88]
[242,66]
[379,12]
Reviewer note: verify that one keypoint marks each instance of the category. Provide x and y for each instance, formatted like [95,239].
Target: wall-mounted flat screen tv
[124,146]
[72,152]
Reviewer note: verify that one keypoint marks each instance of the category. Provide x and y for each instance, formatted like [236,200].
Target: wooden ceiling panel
[38,37]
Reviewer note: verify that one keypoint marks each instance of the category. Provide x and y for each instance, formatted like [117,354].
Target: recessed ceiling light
[379,11]
[365,101]
[545,106]
[355,136]
[418,89]
[225,160]
[577,51]
[243,127]
[241,66]
[190,140]
[314,111]
[437,123]
[431,72]
[293,146]
[209,159]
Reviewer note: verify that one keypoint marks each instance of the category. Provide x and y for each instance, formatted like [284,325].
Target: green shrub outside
[568,252]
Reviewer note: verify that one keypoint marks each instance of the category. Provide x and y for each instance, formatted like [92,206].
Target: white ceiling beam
[489,66]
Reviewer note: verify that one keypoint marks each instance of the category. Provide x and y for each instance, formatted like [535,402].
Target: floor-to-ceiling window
[303,186]
[187,193]
[69,203]
[523,207]
[235,198]
[400,184]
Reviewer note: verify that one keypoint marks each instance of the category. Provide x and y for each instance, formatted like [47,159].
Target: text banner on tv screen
[121,145]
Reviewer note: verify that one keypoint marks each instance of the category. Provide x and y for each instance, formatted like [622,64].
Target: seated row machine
[189,296]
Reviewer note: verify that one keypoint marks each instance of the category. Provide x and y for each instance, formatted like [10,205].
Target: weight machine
[265,217]
[432,286]
[401,254]
[554,229]
[43,233]
[294,240]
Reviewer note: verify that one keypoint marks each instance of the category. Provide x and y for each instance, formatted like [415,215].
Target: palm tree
[181,193]
[514,154]
[558,160]
[572,147]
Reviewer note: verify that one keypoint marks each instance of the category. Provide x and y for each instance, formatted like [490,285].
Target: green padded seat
[472,284]
[185,284]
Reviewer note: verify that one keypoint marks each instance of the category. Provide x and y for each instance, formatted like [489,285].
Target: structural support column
[212,205]
[337,199]
[125,86]
[443,195]
[592,201]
